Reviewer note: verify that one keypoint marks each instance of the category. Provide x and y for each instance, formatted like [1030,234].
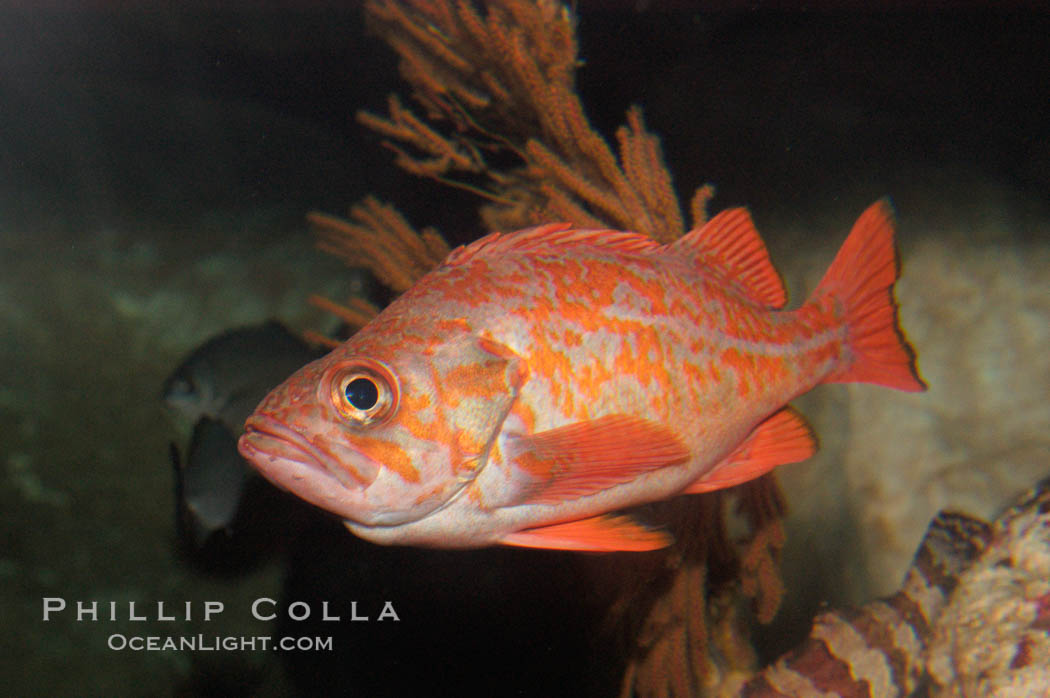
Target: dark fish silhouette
[214,389]
[210,484]
[227,376]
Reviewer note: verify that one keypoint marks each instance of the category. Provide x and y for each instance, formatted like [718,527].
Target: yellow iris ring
[340,375]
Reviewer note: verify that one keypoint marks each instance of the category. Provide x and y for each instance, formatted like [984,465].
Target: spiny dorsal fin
[730,242]
[549,236]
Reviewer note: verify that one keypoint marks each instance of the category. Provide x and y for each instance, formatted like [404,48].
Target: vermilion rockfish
[540,382]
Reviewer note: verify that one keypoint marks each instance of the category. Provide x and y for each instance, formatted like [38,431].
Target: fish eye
[364,391]
[181,386]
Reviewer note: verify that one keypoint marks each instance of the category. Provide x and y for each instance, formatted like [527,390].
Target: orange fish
[538,382]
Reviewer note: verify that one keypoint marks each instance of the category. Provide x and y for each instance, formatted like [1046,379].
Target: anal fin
[784,437]
[608,533]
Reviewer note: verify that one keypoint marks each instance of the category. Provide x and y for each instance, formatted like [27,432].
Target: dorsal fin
[551,235]
[730,242]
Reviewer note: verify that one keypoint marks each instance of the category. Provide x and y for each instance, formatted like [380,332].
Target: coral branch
[357,312]
[510,70]
[562,177]
[379,238]
[698,205]
[643,162]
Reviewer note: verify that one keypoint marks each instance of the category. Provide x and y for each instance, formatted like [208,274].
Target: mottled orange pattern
[539,381]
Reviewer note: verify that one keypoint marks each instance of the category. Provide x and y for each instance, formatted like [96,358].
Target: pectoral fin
[784,437]
[598,534]
[587,457]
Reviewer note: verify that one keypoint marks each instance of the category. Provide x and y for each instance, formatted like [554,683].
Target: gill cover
[476,381]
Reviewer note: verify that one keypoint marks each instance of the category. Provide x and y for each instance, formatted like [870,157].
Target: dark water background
[155,167]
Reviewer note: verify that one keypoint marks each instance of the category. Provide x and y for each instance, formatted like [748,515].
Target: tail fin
[860,282]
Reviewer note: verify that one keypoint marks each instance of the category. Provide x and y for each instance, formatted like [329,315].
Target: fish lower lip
[301,450]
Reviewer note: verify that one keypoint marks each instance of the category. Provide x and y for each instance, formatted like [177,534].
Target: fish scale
[538,382]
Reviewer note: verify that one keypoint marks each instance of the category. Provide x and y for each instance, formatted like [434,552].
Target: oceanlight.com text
[215,643]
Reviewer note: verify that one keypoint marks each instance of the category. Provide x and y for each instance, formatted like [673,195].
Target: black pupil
[362,393]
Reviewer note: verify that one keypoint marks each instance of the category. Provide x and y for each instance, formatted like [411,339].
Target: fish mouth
[267,440]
